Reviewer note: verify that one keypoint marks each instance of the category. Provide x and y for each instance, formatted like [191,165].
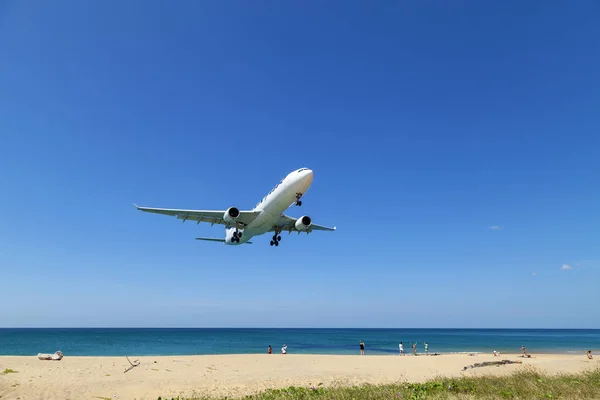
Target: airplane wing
[286,223]
[209,216]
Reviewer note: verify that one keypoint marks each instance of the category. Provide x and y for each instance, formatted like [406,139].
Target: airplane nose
[310,175]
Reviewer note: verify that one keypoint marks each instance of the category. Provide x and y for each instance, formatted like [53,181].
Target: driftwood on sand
[57,356]
[133,364]
[490,363]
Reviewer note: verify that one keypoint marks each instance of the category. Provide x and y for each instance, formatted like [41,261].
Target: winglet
[136,206]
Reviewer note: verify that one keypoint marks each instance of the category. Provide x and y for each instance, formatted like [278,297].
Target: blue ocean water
[189,341]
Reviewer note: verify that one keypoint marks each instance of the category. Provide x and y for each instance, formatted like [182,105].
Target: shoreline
[243,374]
[512,355]
[275,353]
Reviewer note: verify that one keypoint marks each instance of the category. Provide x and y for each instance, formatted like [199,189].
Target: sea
[196,341]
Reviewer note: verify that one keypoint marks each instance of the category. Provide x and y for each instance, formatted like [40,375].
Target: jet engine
[231,215]
[303,223]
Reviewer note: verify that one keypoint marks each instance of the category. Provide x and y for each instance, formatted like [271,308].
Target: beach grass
[525,384]
[8,371]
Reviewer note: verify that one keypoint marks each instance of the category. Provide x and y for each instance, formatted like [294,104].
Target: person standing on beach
[362,348]
[269,350]
[414,346]
[284,349]
[426,348]
[401,348]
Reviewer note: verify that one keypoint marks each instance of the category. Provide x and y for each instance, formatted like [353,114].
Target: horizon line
[273,328]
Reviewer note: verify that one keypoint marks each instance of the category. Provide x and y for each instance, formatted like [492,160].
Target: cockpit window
[302,169]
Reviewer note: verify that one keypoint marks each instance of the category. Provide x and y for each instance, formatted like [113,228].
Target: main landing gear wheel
[276,238]
[236,236]
[298,202]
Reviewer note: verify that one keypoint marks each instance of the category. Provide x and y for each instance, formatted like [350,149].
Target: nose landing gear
[298,202]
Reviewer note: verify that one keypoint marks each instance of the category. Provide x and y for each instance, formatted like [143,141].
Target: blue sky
[426,123]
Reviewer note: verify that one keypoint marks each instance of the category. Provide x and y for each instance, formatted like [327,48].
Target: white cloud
[494,228]
[566,267]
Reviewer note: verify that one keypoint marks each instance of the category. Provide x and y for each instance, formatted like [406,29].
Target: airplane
[267,215]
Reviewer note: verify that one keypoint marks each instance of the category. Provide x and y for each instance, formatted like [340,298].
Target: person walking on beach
[401,348]
[362,348]
[284,349]
[414,346]
[426,348]
[269,350]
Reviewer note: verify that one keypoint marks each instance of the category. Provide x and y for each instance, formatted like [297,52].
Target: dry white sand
[79,378]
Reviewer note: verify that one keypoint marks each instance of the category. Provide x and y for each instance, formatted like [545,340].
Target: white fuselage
[279,199]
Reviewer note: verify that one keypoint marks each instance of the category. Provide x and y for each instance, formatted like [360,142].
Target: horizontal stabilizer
[215,240]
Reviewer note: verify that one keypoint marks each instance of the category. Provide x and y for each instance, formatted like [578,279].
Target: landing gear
[236,236]
[276,238]
[298,202]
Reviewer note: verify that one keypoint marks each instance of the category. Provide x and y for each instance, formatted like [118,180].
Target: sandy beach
[236,375]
